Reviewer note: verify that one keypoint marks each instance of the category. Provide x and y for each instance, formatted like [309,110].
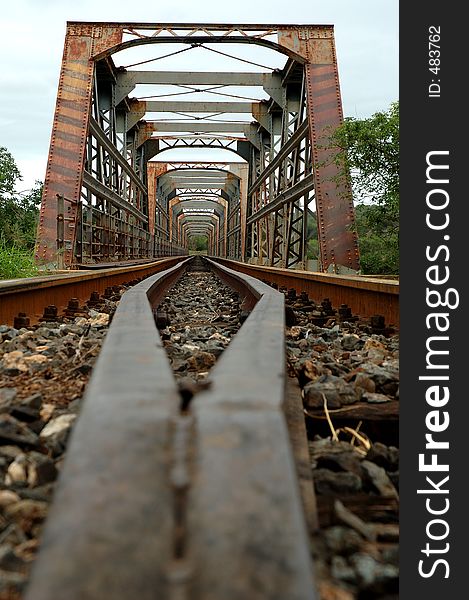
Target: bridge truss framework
[121,201]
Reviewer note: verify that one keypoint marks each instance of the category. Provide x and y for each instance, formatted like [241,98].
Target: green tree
[369,151]
[9,174]
[198,243]
[18,210]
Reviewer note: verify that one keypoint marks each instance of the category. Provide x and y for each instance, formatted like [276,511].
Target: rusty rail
[366,296]
[156,501]
[31,295]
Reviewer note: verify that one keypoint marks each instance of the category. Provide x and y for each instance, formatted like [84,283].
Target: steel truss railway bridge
[111,193]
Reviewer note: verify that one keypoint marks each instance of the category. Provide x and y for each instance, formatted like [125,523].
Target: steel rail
[157,502]
[32,294]
[366,296]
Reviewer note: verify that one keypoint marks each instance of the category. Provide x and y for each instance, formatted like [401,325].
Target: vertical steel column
[154,170]
[242,171]
[69,130]
[334,205]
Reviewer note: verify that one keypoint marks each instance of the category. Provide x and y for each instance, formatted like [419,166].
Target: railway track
[212,498]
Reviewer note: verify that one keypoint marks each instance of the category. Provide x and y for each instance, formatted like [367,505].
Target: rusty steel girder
[102,144]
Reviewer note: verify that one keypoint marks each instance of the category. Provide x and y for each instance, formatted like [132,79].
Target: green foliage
[19,216]
[379,254]
[18,221]
[199,243]
[16,262]
[9,173]
[369,151]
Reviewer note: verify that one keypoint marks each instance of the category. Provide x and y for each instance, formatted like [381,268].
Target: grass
[16,262]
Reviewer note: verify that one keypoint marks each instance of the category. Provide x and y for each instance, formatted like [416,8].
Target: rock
[351,342]
[83,321]
[41,493]
[340,569]
[189,348]
[221,338]
[8,497]
[99,320]
[75,406]
[41,469]
[376,351]
[7,397]
[390,554]
[375,398]
[370,571]
[34,401]
[12,430]
[27,550]
[14,360]
[342,540]
[215,348]
[384,456]
[366,568]
[35,361]
[84,369]
[47,410]
[372,343]
[386,378]
[331,591]
[11,585]
[335,389]
[347,460]
[379,479]
[56,432]
[328,483]
[296,333]
[10,452]
[13,534]
[364,382]
[179,365]
[307,371]
[25,413]
[27,513]
[17,472]
[201,361]
[9,561]
[394,478]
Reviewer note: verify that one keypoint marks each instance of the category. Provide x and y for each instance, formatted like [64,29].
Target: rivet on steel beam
[94,300]
[73,308]
[243,315]
[345,312]
[377,322]
[326,306]
[50,313]
[21,321]
[161,319]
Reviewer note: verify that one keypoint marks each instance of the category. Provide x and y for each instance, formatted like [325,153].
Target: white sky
[31,44]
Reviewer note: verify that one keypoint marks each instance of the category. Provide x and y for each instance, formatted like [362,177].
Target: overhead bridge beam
[200,107]
[192,77]
[127,80]
[197,126]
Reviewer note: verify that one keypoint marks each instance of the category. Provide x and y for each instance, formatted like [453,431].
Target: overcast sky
[31,45]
